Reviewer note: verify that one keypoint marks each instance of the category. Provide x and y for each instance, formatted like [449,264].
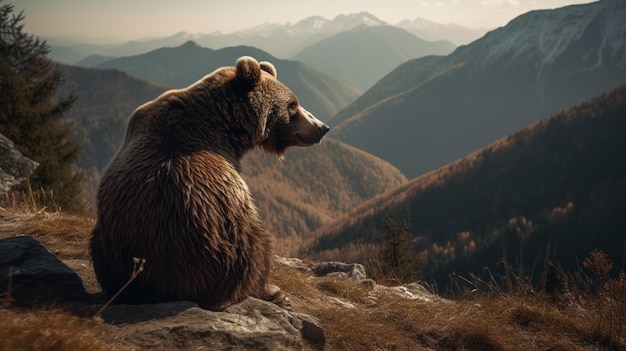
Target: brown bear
[174,196]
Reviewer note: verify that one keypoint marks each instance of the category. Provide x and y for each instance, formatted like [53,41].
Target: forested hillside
[104,101]
[313,186]
[555,188]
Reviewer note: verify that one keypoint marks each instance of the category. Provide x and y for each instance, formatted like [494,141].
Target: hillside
[178,67]
[105,99]
[313,186]
[361,56]
[557,187]
[442,108]
[309,188]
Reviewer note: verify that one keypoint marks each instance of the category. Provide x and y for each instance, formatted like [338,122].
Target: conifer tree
[30,112]
[397,255]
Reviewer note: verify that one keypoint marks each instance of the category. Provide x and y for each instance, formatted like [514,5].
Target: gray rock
[250,325]
[32,276]
[353,271]
[14,167]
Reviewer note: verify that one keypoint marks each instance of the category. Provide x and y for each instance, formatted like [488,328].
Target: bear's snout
[323,130]
[307,129]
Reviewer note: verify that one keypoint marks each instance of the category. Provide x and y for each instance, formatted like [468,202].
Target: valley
[472,144]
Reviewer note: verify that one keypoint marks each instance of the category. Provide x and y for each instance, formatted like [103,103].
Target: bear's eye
[292,107]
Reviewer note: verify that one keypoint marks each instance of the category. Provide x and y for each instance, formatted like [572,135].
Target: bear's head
[283,122]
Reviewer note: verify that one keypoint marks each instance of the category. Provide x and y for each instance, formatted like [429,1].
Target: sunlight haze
[117,20]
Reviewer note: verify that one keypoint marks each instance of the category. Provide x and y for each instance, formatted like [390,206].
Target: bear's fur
[173,193]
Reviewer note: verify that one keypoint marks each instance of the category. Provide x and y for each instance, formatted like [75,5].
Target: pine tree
[397,255]
[30,113]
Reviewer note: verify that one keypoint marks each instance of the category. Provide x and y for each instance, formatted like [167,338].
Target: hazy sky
[135,19]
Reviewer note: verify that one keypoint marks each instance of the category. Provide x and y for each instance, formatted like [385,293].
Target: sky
[122,20]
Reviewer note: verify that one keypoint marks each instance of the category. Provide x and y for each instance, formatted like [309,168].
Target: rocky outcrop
[14,167]
[356,272]
[250,325]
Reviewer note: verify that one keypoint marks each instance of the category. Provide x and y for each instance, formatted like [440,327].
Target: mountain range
[281,40]
[553,191]
[433,110]
[181,66]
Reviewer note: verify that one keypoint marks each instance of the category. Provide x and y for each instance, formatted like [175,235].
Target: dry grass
[50,330]
[355,318]
[65,235]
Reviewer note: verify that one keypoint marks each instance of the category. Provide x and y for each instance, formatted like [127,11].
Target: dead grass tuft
[50,330]
[65,235]
[481,322]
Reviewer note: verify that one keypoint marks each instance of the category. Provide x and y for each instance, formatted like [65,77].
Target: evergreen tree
[397,254]
[30,113]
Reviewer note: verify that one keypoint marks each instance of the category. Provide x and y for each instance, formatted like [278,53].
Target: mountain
[555,188]
[361,56]
[430,111]
[451,32]
[297,195]
[178,67]
[93,60]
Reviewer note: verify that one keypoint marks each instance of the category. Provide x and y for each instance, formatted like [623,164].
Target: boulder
[354,271]
[250,325]
[31,276]
[14,167]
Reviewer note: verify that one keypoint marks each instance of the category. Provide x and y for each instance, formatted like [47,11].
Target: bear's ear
[248,71]
[269,68]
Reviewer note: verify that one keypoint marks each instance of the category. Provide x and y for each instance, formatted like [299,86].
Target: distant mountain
[281,40]
[451,32]
[93,60]
[297,195]
[71,51]
[557,187]
[178,67]
[363,55]
[430,111]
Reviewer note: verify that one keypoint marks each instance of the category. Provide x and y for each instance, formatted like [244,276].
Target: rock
[14,167]
[294,263]
[354,271]
[250,325]
[411,291]
[30,275]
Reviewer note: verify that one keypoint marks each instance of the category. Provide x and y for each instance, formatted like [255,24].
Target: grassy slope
[376,321]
